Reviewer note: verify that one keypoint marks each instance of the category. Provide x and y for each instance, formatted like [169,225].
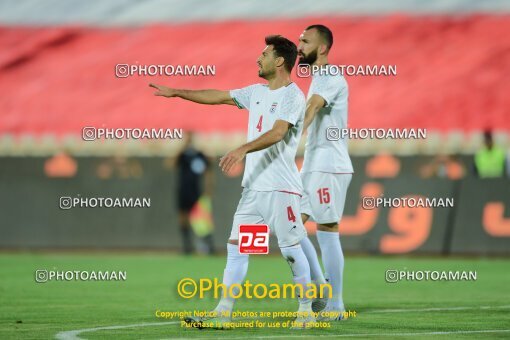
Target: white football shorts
[280,210]
[324,197]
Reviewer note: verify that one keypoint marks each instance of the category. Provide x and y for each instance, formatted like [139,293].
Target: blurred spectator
[383,165]
[443,166]
[61,165]
[508,164]
[192,167]
[490,160]
[119,167]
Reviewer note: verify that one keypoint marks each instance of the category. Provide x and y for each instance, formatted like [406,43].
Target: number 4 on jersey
[259,124]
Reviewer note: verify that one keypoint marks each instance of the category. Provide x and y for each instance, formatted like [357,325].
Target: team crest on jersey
[273,107]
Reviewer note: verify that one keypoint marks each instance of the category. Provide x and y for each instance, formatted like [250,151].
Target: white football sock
[311,255]
[301,273]
[235,272]
[333,260]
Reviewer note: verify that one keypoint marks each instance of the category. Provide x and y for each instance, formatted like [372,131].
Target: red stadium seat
[453,73]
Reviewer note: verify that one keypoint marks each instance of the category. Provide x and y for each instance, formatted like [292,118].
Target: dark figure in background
[443,166]
[192,166]
[490,160]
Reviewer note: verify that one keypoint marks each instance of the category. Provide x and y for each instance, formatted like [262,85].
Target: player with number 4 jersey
[272,185]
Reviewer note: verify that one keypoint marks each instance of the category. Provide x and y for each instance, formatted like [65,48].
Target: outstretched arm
[273,136]
[210,97]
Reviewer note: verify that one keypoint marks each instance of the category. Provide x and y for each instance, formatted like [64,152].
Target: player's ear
[323,49]
[279,61]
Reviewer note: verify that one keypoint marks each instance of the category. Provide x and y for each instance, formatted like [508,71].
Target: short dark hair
[285,48]
[487,134]
[325,34]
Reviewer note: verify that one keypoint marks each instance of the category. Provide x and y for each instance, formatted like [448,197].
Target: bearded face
[307,59]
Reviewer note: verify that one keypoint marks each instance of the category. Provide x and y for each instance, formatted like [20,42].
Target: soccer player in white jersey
[327,169]
[272,185]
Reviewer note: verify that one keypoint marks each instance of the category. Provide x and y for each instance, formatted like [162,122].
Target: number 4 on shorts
[290,214]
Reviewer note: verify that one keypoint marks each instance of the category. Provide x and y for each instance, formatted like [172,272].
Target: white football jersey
[273,168]
[322,154]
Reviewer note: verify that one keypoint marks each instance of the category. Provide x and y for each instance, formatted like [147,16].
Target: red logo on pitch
[253,239]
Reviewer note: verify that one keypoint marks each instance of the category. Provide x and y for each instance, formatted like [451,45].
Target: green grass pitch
[30,310]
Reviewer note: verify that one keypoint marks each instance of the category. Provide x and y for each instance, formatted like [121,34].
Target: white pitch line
[74,334]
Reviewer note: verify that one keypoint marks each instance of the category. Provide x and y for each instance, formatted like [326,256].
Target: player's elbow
[312,110]
[279,134]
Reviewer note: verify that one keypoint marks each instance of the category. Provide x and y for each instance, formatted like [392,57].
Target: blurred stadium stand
[58,69]
[133,12]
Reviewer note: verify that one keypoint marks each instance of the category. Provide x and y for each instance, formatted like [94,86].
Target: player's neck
[321,61]
[279,81]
